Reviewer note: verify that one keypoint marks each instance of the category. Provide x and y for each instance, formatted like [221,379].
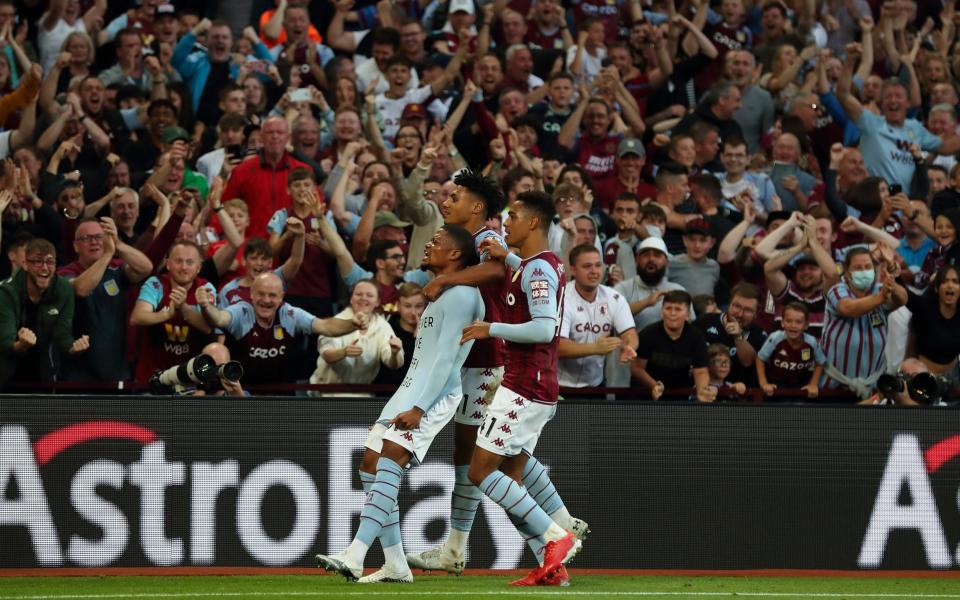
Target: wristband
[218,209]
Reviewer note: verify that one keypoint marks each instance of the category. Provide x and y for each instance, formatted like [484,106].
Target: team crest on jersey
[111,288]
[277,332]
[740,37]
[805,354]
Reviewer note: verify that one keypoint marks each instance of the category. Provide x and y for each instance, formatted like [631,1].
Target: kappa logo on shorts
[519,401]
[484,387]
[480,401]
[498,442]
[476,415]
[408,436]
[512,415]
[505,428]
[488,372]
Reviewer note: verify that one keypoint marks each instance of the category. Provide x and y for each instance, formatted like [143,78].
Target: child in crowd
[718,365]
[697,273]
[791,356]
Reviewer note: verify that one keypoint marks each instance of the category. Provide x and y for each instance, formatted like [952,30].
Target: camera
[925,388]
[200,372]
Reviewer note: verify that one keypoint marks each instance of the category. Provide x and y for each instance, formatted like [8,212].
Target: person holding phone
[222,160]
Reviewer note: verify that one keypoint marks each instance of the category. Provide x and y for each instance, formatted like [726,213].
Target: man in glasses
[36,319]
[735,329]
[104,270]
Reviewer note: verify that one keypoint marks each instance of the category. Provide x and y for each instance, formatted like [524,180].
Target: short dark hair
[484,187]
[257,246]
[542,204]
[560,75]
[701,129]
[378,250]
[225,90]
[162,103]
[398,59]
[733,141]
[40,246]
[709,185]
[745,290]
[798,307]
[299,174]
[627,197]
[231,122]
[677,297]
[513,176]
[463,241]
[386,35]
[580,250]
[652,209]
[669,171]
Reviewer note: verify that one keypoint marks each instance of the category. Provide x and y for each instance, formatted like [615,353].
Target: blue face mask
[862,280]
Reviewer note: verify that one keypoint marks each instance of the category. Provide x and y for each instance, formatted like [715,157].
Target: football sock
[393,553]
[463,509]
[380,516]
[538,484]
[514,499]
[533,540]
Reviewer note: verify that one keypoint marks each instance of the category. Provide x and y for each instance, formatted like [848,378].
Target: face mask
[862,280]
[654,231]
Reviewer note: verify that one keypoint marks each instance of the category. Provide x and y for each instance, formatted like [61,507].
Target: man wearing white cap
[644,293]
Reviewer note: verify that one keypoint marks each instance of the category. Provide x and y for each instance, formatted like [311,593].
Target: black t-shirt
[713,332]
[938,338]
[388,376]
[208,110]
[670,360]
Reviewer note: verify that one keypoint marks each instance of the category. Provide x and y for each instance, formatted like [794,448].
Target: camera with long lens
[925,388]
[200,372]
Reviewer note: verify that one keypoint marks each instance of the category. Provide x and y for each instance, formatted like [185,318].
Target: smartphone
[895,188]
[258,66]
[235,150]
[300,95]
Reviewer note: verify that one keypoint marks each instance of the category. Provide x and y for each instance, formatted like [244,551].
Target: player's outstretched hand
[478,330]
[408,419]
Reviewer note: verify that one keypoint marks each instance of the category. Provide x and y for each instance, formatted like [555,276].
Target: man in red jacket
[261,180]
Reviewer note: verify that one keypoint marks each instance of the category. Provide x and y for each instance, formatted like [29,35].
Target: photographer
[211,373]
[263,333]
[221,356]
[913,385]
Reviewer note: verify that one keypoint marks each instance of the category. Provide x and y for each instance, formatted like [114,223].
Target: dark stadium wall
[271,482]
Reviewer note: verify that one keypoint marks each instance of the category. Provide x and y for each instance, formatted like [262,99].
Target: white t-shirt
[391,109]
[585,322]
[591,65]
[50,42]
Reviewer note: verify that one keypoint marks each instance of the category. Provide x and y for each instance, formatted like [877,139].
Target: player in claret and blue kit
[527,398]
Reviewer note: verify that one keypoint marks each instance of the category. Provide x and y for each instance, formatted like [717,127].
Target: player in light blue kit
[423,404]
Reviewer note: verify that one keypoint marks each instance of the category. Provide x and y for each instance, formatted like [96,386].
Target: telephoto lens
[231,371]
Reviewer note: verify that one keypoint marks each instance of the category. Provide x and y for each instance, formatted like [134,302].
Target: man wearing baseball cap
[644,293]
[697,273]
[631,158]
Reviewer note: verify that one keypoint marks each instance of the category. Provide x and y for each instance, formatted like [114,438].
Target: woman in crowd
[356,357]
[935,324]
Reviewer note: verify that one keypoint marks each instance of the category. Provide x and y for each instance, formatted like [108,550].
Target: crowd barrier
[149,481]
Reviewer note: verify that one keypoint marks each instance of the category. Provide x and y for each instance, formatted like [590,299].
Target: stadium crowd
[749,194]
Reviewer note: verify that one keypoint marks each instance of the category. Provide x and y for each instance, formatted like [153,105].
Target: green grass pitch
[584,587]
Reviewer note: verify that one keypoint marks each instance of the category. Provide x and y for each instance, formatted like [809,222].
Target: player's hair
[408,289]
[745,290]
[299,174]
[654,211]
[542,204]
[257,246]
[714,350]
[463,241]
[798,307]
[677,297]
[580,250]
[484,187]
